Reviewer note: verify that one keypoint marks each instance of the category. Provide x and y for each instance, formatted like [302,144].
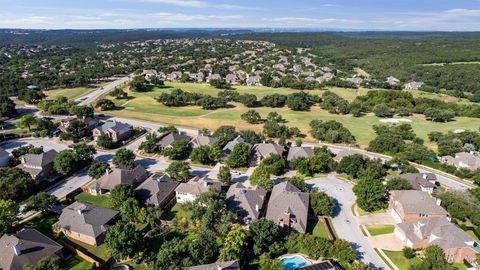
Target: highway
[90,98]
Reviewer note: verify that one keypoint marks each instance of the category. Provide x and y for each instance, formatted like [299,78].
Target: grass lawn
[380,229]
[100,251]
[99,200]
[70,93]
[143,106]
[460,266]
[399,260]
[43,223]
[77,263]
[362,212]
[317,228]
[173,211]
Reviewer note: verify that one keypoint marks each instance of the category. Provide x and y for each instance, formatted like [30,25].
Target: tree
[321,162]
[118,93]
[382,110]
[27,121]
[239,156]
[300,101]
[121,193]
[123,240]
[179,170]
[85,153]
[124,157]
[207,154]
[433,260]
[83,111]
[224,175]
[275,164]
[130,209]
[7,107]
[408,252]
[204,249]
[251,116]
[351,165]
[41,201]
[265,263]
[167,129]
[330,131]
[14,183]
[8,215]
[98,169]
[150,143]
[224,134]
[370,194]
[106,142]
[105,104]
[298,182]
[66,162]
[234,244]
[45,264]
[177,151]
[261,177]
[78,130]
[398,184]
[321,203]
[264,233]
[343,250]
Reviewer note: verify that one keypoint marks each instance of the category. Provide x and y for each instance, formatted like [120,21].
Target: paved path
[343,219]
[91,97]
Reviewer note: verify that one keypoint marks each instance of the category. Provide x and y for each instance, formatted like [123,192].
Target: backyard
[98,200]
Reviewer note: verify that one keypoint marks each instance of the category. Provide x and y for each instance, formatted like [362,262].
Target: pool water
[294,262]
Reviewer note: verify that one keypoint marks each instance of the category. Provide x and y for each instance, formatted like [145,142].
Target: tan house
[39,166]
[457,245]
[465,160]
[413,205]
[188,192]
[248,203]
[426,182]
[264,150]
[158,190]
[116,177]
[85,222]
[202,141]
[65,123]
[114,130]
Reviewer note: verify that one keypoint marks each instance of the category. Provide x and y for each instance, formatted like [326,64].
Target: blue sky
[451,15]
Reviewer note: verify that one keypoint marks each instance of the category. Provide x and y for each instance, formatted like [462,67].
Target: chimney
[79,211]
[17,249]
[205,183]
[425,176]
[439,202]
[286,220]
[107,172]
[257,208]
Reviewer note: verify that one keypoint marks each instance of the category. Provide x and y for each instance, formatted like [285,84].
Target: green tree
[7,107]
[204,249]
[45,264]
[27,121]
[321,203]
[98,169]
[177,151]
[382,110]
[85,152]
[251,116]
[66,162]
[239,156]
[234,244]
[299,182]
[398,184]
[121,193]
[78,130]
[179,170]
[343,251]
[264,233]
[83,111]
[433,260]
[224,134]
[224,175]
[105,104]
[124,157]
[123,240]
[371,194]
[9,211]
[41,201]
[261,177]
[130,209]
[14,183]
[106,142]
[265,263]
[118,93]
[351,165]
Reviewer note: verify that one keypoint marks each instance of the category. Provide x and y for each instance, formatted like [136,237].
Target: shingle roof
[296,152]
[418,180]
[33,246]
[156,189]
[3,153]
[118,127]
[265,150]
[439,231]
[203,140]
[245,201]
[286,197]
[417,202]
[40,160]
[229,146]
[198,185]
[122,176]
[86,219]
[171,138]
[231,265]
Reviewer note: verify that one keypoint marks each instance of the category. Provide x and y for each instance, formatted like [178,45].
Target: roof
[85,218]
[117,127]
[438,231]
[170,138]
[156,189]
[345,153]
[231,265]
[265,150]
[417,202]
[33,247]
[198,185]
[325,265]
[40,160]
[229,146]
[3,153]
[246,202]
[418,180]
[203,140]
[285,198]
[298,151]
[122,176]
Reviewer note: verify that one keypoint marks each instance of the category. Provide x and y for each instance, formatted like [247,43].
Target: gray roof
[439,231]
[296,152]
[265,150]
[345,153]
[286,198]
[122,176]
[170,138]
[203,141]
[33,247]
[86,218]
[245,201]
[229,146]
[117,127]
[156,189]
[325,265]
[40,160]
[418,180]
[198,185]
[231,265]
[3,153]
[417,202]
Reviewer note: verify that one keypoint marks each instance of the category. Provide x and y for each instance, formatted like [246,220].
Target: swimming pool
[294,262]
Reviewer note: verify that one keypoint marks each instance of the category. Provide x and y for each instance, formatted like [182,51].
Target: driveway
[374,219]
[386,242]
[343,219]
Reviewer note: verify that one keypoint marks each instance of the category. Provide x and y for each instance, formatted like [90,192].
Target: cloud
[181,3]
[180,17]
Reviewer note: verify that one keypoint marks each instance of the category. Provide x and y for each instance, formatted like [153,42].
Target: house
[149,74]
[355,80]
[426,182]
[345,153]
[325,265]
[188,192]
[197,77]
[114,130]
[212,77]
[230,265]
[232,79]
[265,150]
[39,166]
[392,80]
[174,76]
[299,151]
[413,205]
[85,222]
[171,137]
[413,85]
[227,149]
[457,245]
[202,141]
[118,176]
[158,190]
[65,123]
[463,160]
[4,158]
[288,207]
[26,247]
[246,202]
[253,81]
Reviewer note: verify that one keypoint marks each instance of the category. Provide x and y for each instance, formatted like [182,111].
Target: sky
[445,15]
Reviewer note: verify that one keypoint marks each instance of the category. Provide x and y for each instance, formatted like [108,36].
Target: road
[90,98]
[343,219]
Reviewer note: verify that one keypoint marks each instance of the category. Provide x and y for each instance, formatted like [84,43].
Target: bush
[408,252]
